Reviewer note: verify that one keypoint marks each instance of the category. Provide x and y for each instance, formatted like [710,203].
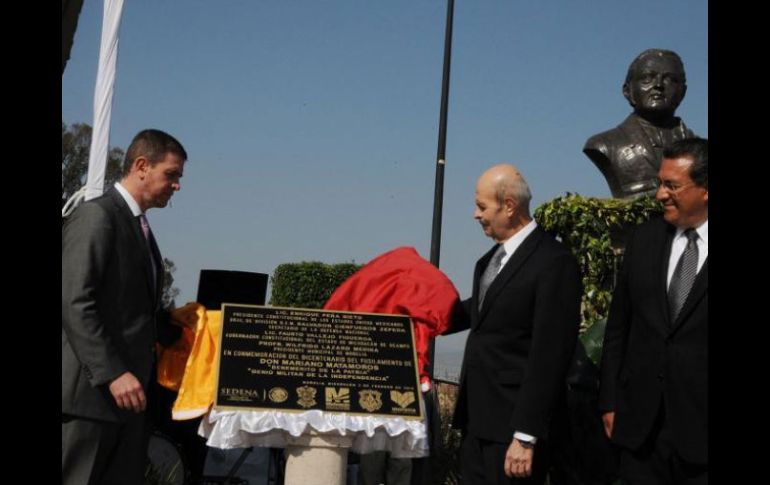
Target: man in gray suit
[112,278]
[629,155]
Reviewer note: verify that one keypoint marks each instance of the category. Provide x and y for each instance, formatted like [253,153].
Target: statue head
[655,84]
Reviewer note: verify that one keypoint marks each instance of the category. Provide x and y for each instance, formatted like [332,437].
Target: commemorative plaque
[294,359]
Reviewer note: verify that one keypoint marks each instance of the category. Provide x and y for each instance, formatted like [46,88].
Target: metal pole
[423,469]
[438,197]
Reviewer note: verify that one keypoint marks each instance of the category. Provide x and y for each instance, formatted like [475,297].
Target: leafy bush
[594,230]
[308,284]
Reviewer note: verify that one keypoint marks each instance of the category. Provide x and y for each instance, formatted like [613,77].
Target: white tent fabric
[105,80]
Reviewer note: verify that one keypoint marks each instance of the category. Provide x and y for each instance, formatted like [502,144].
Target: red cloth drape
[401,282]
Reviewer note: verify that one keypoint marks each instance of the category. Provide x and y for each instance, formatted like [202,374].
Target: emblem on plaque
[338,398]
[306,396]
[278,394]
[403,399]
[370,400]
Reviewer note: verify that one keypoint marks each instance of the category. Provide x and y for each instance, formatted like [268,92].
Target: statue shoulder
[603,142]
[608,141]
[597,143]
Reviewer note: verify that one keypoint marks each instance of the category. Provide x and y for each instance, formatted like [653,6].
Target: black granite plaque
[290,359]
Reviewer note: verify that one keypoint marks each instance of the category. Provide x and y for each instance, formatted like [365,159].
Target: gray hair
[514,187]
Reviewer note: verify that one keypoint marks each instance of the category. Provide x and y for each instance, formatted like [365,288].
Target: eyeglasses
[671,188]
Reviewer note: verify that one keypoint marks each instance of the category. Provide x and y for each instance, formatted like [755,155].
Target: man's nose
[657,81]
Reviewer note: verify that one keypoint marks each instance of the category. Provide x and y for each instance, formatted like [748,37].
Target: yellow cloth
[172,360]
[196,381]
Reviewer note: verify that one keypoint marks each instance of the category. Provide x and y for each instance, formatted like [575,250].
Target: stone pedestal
[317,459]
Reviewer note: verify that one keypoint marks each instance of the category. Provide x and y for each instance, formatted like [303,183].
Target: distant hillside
[448,364]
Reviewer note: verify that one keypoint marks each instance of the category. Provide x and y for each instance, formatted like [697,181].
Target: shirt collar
[132,204]
[702,230]
[515,241]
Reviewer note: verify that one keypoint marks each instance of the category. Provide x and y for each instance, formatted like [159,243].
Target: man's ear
[510,206]
[140,165]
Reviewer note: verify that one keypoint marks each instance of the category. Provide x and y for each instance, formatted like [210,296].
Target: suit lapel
[513,265]
[159,268]
[138,237]
[481,264]
[661,278]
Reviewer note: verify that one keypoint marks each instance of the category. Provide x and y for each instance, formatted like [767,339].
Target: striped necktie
[684,275]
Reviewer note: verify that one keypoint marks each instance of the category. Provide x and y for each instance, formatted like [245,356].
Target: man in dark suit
[112,278]
[629,155]
[654,371]
[524,316]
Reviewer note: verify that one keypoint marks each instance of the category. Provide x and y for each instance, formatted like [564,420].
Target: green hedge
[586,225]
[308,284]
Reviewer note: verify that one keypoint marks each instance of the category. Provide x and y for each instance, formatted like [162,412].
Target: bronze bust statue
[629,155]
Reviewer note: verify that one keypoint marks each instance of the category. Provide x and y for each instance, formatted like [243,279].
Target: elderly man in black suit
[524,316]
[112,278]
[629,155]
[654,370]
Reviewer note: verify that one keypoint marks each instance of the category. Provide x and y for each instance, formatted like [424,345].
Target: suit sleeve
[556,321]
[167,332]
[615,334]
[88,240]
[461,317]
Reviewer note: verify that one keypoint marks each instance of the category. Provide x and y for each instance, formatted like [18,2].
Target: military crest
[370,400]
[306,396]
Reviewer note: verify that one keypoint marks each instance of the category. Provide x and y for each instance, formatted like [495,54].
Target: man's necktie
[490,273]
[684,275]
[147,237]
[145,228]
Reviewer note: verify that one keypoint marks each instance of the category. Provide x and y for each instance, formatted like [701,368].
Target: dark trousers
[379,467]
[656,462]
[482,462]
[182,433]
[99,452]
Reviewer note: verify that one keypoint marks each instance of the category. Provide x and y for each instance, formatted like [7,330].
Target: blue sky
[311,126]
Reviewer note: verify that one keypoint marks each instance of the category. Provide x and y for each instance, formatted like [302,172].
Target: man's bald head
[507,181]
[502,201]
